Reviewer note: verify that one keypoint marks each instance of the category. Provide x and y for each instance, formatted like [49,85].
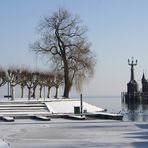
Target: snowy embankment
[66,106]
[3,144]
[51,107]
[54,105]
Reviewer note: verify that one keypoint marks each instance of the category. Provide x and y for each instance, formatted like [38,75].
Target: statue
[132,64]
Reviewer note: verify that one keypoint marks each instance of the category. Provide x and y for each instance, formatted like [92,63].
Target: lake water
[131,112]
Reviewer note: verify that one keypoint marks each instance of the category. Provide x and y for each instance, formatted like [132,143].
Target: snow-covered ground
[57,106]
[60,133]
[67,106]
[3,144]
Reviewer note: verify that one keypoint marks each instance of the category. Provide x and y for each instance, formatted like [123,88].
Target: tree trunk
[68,85]
[34,90]
[12,92]
[66,91]
[56,95]
[40,96]
[48,95]
[29,93]
[22,91]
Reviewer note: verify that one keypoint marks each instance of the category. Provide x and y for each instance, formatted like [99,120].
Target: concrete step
[22,105]
[13,114]
[21,102]
[22,108]
[9,111]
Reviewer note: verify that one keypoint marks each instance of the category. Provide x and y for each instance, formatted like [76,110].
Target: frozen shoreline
[60,133]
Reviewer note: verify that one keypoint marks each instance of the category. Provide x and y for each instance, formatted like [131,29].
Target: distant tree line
[31,80]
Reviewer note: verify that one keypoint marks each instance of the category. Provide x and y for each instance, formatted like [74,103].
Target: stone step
[22,108]
[22,105]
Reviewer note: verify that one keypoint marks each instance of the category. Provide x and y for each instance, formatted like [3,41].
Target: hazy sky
[118,30]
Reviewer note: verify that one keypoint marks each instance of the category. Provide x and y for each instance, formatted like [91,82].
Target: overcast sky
[118,30]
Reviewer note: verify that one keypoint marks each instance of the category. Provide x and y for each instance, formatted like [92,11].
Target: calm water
[131,112]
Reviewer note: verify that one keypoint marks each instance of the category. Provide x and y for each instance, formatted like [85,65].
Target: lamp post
[8,89]
[81,104]
[44,93]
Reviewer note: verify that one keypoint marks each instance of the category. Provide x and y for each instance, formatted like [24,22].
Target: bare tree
[35,77]
[13,79]
[49,82]
[57,82]
[23,81]
[2,77]
[41,82]
[30,80]
[64,40]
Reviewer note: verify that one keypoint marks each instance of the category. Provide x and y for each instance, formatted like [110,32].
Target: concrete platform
[59,108]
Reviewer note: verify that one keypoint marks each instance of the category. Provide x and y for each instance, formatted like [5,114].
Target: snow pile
[3,144]
[67,106]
